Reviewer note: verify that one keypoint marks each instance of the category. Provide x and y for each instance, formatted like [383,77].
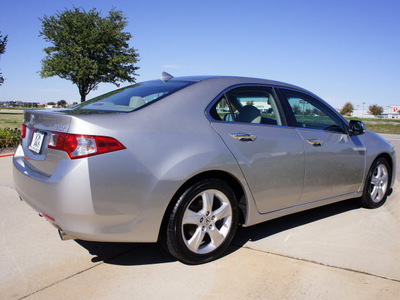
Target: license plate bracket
[37,142]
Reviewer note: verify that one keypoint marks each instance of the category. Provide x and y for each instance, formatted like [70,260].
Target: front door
[270,154]
[334,160]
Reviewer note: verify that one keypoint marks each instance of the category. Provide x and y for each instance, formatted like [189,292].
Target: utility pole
[363,110]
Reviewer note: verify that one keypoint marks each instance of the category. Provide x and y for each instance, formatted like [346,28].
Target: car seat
[249,114]
[136,102]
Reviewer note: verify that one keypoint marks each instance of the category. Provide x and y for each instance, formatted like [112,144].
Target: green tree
[51,103]
[375,110]
[62,103]
[3,44]
[88,49]
[347,109]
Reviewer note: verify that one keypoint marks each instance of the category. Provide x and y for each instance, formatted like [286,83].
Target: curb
[6,155]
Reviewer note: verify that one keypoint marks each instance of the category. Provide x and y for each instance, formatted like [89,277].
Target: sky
[343,51]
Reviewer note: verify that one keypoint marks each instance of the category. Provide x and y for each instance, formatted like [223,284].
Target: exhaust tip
[63,235]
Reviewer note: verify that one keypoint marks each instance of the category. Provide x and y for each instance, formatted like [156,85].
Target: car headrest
[249,114]
[136,101]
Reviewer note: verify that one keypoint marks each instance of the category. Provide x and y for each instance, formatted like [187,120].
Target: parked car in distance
[185,160]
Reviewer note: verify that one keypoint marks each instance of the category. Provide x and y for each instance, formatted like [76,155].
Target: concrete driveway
[339,251]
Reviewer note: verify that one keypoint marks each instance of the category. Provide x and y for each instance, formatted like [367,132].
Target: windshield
[133,97]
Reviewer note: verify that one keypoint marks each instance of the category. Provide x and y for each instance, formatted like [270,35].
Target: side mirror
[357,127]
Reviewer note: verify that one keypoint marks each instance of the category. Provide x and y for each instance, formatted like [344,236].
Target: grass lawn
[375,120]
[11,120]
[391,126]
[386,127]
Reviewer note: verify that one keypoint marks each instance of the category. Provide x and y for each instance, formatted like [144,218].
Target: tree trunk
[83,93]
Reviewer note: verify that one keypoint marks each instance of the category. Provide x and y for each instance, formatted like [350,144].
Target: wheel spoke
[216,236]
[195,241]
[374,193]
[380,193]
[374,181]
[191,217]
[208,199]
[222,212]
[378,171]
[385,178]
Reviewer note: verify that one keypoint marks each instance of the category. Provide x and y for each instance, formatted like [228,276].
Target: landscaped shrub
[9,137]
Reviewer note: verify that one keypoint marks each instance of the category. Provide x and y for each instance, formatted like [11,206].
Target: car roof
[234,80]
[230,81]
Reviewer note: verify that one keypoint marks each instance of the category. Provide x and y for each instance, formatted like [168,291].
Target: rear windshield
[132,97]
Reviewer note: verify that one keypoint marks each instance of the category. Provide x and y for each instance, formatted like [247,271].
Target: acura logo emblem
[32,121]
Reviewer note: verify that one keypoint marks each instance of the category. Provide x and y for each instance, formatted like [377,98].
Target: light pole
[363,110]
[304,104]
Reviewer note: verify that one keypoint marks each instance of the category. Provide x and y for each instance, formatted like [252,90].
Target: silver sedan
[185,160]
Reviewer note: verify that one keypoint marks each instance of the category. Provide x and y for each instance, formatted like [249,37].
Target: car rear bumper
[66,200]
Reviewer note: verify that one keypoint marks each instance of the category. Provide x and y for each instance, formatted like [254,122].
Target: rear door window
[254,105]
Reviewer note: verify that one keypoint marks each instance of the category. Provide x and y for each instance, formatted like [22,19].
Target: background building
[389,112]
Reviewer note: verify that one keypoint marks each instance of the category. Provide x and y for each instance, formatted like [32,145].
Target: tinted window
[311,113]
[254,105]
[132,97]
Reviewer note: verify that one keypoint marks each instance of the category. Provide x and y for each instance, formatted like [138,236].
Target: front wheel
[377,184]
[202,223]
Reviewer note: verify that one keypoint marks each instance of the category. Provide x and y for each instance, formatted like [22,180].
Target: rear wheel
[377,184]
[202,222]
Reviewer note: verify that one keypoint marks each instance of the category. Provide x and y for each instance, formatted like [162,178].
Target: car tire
[202,223]
[377,184]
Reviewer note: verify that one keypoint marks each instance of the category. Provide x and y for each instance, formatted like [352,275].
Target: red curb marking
[6,155]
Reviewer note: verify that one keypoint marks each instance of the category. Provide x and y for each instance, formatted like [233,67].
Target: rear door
[334,164]
[270,154]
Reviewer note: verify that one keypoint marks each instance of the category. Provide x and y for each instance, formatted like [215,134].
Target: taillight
[23,131]
[78,146]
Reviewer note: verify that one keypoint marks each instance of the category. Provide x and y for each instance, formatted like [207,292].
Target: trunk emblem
[60,128]
[32,121]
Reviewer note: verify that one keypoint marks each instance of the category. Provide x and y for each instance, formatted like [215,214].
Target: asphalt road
[339,251]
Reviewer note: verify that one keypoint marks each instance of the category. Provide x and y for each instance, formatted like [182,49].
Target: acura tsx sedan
[185,160]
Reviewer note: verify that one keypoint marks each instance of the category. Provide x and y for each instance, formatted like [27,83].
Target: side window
[255,105]
[311,113]
[221,110]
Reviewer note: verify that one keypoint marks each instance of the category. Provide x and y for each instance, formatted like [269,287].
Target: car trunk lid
[38,127]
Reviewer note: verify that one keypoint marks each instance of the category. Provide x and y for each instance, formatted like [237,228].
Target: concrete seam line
[73,275]
[325,265]
[61,280]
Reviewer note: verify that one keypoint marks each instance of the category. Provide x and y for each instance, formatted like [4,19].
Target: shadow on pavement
[269,228]
[128,254]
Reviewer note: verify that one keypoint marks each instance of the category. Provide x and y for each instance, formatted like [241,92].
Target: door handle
[244,137]
[315,142]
